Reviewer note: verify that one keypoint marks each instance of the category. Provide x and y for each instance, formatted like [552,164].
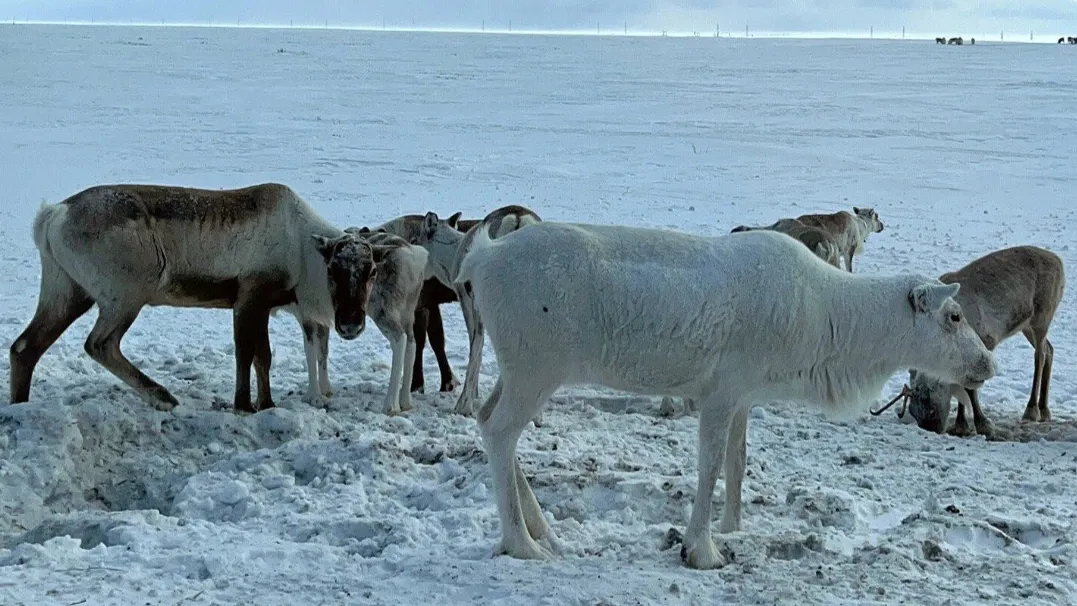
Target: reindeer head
[948,352]
[929,400]
[431,225]
[870,217]
[351,269]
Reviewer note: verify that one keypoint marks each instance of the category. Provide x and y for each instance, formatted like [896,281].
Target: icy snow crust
[962,150]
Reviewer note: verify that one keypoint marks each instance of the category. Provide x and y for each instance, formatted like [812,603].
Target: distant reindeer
[958,40]
[818,241]
[729,321]
[1009,291]
[849,230]
[940,40]
[428,320]
[251,250]
[1072,39]
[448,246]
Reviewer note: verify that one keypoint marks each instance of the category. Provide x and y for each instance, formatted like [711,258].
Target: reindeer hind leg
[60,302]
[103,345]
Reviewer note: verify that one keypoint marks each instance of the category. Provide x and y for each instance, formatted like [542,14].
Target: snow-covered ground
[962,150]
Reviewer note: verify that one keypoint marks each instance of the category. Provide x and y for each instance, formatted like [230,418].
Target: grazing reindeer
[958,41]
[940,40]
[818,241]
[729,321]
[448,246]
[1071,39]
[428,319]
[250,250]
[848,230]
[1009,291]
[393,300]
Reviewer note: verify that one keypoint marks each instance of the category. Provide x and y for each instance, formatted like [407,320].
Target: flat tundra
[849,230]
[1006,292]
[251,250]
[730,321]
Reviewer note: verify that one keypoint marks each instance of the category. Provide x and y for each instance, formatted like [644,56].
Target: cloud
[944,17]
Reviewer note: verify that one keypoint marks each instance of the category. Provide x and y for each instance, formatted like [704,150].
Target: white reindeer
[730,321]
[1005,292]
[393,299]
[447,247]
[251,250]
[849,230]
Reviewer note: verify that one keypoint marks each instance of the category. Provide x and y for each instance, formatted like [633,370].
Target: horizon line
[598,32]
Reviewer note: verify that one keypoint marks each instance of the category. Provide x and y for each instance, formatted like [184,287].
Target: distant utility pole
[484,25]
[626,28]
[1002,35]
[717,30]
[902,32]
[1030,35]
[510,25]
[598,29]
[871,32]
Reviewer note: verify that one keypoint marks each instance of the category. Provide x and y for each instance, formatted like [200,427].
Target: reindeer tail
[47,216]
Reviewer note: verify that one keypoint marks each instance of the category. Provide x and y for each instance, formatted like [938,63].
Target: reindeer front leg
[311,348]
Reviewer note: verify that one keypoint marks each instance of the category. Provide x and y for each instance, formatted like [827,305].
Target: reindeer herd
[725,323]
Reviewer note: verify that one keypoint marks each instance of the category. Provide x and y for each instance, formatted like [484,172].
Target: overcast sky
[934,17]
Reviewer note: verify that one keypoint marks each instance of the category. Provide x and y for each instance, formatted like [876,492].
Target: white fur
[730,321]
[393,310]
[448,247]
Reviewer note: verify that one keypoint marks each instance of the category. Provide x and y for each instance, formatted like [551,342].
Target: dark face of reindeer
[351,271]
[929,401]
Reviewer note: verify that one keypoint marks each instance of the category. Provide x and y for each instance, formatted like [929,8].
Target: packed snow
[105,500]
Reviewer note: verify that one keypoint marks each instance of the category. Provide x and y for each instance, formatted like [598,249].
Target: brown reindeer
[1009,291]
[849,230]
[251,250]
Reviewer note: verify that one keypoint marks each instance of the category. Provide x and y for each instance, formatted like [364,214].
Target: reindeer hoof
[450,385]
[962,431]
[702,557]
[244,407]
[667,408]
[161,399]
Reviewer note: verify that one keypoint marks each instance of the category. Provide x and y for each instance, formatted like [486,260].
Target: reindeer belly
[193,290]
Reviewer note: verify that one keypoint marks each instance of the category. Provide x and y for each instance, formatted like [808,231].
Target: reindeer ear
[454,219]
[430,224]
[381,251]
[324,246]
[928,298]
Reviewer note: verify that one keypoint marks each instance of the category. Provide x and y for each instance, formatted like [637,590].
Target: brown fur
[1008,291]
[848,230]
[127,246]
